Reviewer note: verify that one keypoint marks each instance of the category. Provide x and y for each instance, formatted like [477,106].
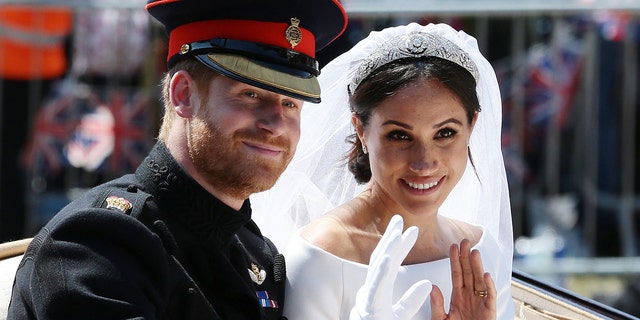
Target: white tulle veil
[318,179]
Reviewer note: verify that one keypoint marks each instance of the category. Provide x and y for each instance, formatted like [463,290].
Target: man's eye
[289,104]
[251,94]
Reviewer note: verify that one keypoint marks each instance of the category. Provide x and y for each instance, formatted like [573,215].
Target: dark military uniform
[164,248]
[155,244]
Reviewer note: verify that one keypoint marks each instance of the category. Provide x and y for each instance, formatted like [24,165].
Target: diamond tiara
[413,45]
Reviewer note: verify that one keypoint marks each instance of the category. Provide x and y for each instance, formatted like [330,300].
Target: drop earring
[364,149]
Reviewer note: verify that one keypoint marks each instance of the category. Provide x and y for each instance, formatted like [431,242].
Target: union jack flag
[52,126]
[546,80]
[132,138]
[92,140]
[102,129]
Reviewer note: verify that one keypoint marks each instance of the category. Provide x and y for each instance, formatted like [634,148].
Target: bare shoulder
[465,230]
[331,232]
[325,231]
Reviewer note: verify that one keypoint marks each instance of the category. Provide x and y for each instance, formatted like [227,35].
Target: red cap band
[270,33]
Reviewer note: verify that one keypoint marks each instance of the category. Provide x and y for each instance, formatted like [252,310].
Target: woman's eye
[398,135]
[446,133]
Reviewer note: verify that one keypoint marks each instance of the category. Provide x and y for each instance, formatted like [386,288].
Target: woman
[423,150]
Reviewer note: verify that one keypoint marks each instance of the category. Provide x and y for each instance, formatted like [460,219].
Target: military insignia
[256,274]
[120,204]
[293,34]
[265,301]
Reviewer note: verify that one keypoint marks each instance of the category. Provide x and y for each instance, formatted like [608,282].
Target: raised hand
[474,293]
[373,300]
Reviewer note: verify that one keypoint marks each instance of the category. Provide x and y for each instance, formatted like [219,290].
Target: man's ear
[181,89]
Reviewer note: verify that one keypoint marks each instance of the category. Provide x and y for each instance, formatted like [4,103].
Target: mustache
[280,142]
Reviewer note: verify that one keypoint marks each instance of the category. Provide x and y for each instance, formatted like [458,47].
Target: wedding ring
[481,293]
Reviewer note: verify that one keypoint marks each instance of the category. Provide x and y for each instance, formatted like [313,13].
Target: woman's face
[417,143]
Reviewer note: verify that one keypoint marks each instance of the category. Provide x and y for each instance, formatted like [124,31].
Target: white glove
[373,300]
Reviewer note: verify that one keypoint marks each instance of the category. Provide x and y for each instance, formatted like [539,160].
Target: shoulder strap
[129,200]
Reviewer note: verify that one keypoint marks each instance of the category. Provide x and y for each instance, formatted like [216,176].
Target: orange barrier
[32,40]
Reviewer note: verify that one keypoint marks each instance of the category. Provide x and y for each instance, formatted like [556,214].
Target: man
[175,240]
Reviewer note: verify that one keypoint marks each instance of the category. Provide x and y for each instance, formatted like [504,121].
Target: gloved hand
[373,300]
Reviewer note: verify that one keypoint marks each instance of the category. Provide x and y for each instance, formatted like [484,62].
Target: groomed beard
[226,167]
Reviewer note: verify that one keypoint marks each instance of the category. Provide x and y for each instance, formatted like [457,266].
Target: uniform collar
[182,199]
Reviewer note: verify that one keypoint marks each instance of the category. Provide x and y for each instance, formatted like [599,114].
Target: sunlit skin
[417,142]
[235,141]
[417,136]
[467,275]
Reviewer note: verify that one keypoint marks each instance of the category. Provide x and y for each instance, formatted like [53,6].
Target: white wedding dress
[326,285]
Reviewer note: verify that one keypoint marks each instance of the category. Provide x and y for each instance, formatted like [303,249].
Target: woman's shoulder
[465,230]
[334,233]
[327,231]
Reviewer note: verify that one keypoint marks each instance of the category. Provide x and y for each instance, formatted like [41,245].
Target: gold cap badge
[118,203]
[293,34]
